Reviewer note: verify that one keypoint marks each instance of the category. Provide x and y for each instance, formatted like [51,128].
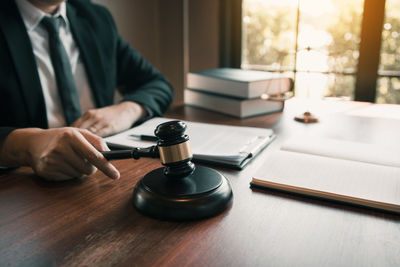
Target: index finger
[86,150]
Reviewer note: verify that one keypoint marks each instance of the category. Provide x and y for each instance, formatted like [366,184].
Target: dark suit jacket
[109,61]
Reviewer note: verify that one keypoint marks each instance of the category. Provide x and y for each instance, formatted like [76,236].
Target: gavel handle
[136,153]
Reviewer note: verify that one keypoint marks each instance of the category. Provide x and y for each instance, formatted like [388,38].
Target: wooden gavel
[172,148]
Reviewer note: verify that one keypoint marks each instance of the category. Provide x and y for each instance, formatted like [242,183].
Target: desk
[92,221]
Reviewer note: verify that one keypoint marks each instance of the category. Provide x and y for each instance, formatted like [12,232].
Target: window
[318,43]
[389,68]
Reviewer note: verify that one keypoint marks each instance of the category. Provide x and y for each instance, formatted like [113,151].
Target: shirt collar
[32,15]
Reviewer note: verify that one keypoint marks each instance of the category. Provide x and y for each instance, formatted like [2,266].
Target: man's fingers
[55,176]
[63,171]
[95,140]
[93,156]
[85,121]
[69,170]
[98,160]
[79,121]
[96,128]
[85,124]
[104,131]
[81,166]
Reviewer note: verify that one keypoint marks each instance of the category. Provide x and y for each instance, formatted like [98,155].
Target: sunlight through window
[316,42]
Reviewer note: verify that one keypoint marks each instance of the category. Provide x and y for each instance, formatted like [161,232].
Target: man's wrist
[15,150]
[137,110]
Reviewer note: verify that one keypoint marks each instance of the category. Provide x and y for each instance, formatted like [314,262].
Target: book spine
[239,89]
[271,87]
[231,106]
[212,102]
[219,86]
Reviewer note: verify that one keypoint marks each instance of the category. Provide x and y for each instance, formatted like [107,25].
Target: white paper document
[342,149]
[230,145]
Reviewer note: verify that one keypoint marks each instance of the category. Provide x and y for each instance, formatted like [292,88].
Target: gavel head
[174,148]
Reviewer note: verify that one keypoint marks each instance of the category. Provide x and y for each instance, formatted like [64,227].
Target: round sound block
[202,194]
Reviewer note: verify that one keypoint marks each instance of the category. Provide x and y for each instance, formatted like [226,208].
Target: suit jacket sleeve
[140,81]
[4,131]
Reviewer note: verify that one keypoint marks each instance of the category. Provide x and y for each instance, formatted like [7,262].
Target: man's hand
[57,154]
[110,120]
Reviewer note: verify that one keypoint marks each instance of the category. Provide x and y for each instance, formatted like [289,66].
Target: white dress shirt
[39,39]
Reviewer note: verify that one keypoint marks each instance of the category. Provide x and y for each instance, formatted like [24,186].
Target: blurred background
[345,49]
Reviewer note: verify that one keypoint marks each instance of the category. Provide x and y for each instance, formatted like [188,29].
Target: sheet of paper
[342,149]
[208,141]
[337,176]
[387,111]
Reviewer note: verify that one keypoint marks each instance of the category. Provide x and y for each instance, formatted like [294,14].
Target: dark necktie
[63,71]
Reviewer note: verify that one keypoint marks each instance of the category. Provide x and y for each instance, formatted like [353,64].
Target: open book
[357,173]
[229,146]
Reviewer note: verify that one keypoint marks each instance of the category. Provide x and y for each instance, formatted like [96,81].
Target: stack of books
[237,92]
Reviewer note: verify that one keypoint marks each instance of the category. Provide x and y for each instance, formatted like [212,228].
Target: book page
[381,111]
[348,178]
[208,141]
[342,149]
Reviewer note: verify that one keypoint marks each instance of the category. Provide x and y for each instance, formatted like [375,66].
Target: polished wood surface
[92,222]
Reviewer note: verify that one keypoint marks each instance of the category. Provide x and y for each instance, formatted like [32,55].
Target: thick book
[360,174]
[239,82]
[240,108]
[222,145]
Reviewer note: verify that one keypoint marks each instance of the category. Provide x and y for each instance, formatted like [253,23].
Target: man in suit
[60,63]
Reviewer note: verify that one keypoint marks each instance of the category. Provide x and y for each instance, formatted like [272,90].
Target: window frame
[370,49]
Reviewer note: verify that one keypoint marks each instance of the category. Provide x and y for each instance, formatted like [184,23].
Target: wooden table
[92,222]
